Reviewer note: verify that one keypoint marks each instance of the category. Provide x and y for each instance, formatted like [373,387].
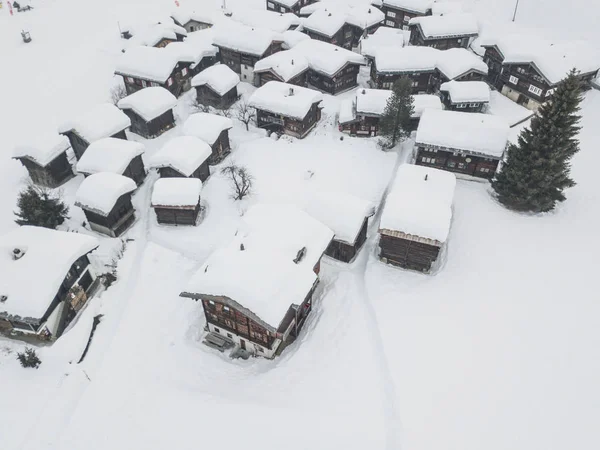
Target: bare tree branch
[241,180]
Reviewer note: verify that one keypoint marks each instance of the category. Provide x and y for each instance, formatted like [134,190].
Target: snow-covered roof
[383,37]
[153,34]
[292,37]
[149,63]
[420,202]
[421,102]
[327,21]
[364,16]
[418,6]
[372,101]
[471,132]
[192,50]
[288,3]
[102,120]
[184,15]
[109,155]
[347,111]
[245,39]
[31,282]
[183,154]
[149,103]
[42,148]
[327,58]
[453,24]
[206,126]
[220,78]
[467,91]
[286,65]
[100,191]
[285,99]
[445,7]
[455,62]
[176,192]
[261,18]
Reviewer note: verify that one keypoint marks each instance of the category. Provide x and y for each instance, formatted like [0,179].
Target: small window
[226,308]
[217,330]
[549,92]
[405,27]
[211,302]
[184,72]
[535,90]
[130,80]
[451,164]
[260,349]
[282,9]
[229,336]
[460,105]
[391,14]
[170,82]
[407,18]
[270,5]
[389,23]
[513,80]
[144,84]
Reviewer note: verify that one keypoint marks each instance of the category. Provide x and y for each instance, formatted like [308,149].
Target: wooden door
[243,344]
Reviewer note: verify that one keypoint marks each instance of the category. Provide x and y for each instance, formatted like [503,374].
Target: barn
[176,201]
[465,96]
[212,129]
[150,111]
[183,157]
[216,86]
[452,30]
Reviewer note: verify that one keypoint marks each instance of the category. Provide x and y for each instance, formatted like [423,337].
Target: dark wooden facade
[403,251]
[153,128]
[396,17]
[342,251]
[366,126]
[344,79]
[80,145]
[462,107]
[54,174]
[172,215]
[288,125]
[274,5]
[202,172]
[134,170]
[268,75]
[235,59]
[117,221]
[442,43]
[206,96]
[458,161]
[220,148]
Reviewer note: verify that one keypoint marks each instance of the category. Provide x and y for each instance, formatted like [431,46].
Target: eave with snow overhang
[287,66]
[150,111]
[454,25]
[466,96]
[176,201]
[264,19]
[399,12]
[216,86]
[183,156]
[115,156]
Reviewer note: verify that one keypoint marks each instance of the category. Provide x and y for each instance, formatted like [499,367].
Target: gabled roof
[184,15]
[421,102]
[109,155]
[241,38]
[418,6]
[183,154]
[285,99]
[327,58]
[149,63]
[364,16]
[99,192]
[192,50]
[293,37]
[100,121]
[286,65]
[42,148]
[149,103]
[261,18]
[467,91]
[447,25]
[173,192]
[383,37]
[220,78]
[326,21]
[152,34]
[206,126]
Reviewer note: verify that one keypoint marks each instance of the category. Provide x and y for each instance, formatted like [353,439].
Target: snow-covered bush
[29,358]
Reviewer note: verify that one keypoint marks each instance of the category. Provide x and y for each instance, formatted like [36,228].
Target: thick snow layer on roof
[453,24]
[183,153]
[347,111]
[288,3]
[261,18]
[471,132]
[149,103]
[245,39]
[292,37]
[444,7]
[364,16]
[192,50]
[220,78]
[103,120]
[42,148]
[327,58]
[372,101]
[176,192]
[206,126]
[285,99]
[467,91]
[326,21]
[383,37]
[455,62]
[420,202]
[31,282]
[149,63]
[421,102]
[287,64]
[109,155]
[100,191]
[183,15]
[419,6]
[153,34]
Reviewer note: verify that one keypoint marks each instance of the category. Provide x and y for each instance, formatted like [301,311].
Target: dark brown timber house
[398,13]
[216,86]
[288,6]
[150,111]
[176,201]
[455,30]
[183,157]
[212,129]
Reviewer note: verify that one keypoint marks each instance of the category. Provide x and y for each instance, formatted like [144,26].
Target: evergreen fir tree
[537,168]
[38,207]
[394,124]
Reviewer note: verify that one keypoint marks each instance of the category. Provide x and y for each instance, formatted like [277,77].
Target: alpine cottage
[45,158]
[176,201]
[102,121]
[106,202]
[257,291]
[383,37]
[288,67]
[159,35]
[150,111]
[465,96]
[114,156]
[194,55]
[212,129]
[329,25]
[287,109]
[288,6]
[46,280]
[466,143]
[195,19]
[398,13]
[362,20]
[415,222]
[184,157]
[444,32]
[216,86]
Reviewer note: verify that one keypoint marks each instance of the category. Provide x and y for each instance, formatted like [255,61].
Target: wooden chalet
[150,111]
[288,6]
[105,199]
[115,156]
[176,201]
[257,291]
[240,47]
[415,222]
[192,19]
[183,157]
[45,158]
[471,144]
[212,129]
[398,13]
[101,121]
[287,109]
[383,37]
[527,69]
[216,86]
[363,20]
[194,55]
[159,35]
[265,19]
[329,25]
[288,67]
[46,281]
[465,96]
[454,30]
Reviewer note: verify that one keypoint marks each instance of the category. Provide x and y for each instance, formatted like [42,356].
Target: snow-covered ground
[498,350]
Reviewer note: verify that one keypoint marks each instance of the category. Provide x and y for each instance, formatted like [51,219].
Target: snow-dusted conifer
[37,206]
[394,124]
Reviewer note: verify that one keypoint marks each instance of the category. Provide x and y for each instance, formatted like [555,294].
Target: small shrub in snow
[241,180]
[29,358]
[39,207]
[245,113]
[117,93]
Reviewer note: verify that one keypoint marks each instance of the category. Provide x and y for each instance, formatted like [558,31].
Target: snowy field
[498,350]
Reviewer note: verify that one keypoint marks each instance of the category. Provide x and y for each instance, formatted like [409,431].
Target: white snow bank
[149,103]
[420,202]
[471,132]
[418,6]
[149,63]
[220,78]
[327,58]
[42,148]
[287,64]
[152,34]
[103,120]
[206,126]
[467,91]
[183,153]
[326,21]
[285,99]
[453,24]
[421,102]
[176,192]
[99,192]
[109,155]
[269,20]
[244,39]
[383,37]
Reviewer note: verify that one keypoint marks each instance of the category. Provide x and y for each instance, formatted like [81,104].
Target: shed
[45,158]
[415,222]
[114,156]
[466,96]
[150,111]
[176,201]
[183,156]
[106,201]
[212,129]
[288,67]
[216,86]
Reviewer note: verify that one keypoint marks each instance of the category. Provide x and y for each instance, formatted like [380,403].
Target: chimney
[300,255]
[292,62]
[242,248]
[369,10]
[3,298]
[329,14]
[426,177]
[364,91]
[17,253]
[291,93]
